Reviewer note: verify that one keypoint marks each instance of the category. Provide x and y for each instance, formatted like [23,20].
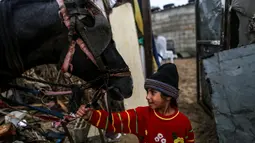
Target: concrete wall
[177,24]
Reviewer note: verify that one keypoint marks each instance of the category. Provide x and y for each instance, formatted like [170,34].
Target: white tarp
[126,39]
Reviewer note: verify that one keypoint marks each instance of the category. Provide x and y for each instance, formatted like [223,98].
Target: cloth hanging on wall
[138,17]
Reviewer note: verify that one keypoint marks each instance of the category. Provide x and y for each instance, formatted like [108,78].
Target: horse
[33,33]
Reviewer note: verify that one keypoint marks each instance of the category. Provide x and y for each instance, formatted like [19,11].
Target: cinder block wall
[177,24]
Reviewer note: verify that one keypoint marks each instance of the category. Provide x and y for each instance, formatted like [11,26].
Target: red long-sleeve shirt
[148,125]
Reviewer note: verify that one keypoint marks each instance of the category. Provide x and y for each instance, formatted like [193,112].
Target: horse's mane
[9,47]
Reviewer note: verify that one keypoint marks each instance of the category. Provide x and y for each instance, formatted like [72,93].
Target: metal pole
[68,134]
[228,25]
[146,12]
[197,49]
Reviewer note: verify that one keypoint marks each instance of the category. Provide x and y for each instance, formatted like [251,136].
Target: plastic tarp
[231,74]
[245,11]
[210,19]
[209,24]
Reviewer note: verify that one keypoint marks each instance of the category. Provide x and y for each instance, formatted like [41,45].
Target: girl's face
[155,100]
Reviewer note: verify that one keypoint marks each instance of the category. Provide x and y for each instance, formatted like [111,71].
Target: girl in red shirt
[160,122]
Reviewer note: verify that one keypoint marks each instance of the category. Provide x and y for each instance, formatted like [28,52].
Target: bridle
[71,14]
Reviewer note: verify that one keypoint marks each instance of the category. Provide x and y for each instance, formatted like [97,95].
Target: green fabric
[140,40]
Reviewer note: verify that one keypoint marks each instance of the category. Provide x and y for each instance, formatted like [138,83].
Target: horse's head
[120,87]
[101,58]
[43,39]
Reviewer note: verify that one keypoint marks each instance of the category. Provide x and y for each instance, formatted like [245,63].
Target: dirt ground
[203,125]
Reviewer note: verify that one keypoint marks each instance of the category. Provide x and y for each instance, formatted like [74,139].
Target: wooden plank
[147,36]
[125,35]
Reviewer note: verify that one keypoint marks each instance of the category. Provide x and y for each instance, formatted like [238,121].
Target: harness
[98,33]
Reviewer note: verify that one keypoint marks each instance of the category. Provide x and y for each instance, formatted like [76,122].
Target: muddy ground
[203,125]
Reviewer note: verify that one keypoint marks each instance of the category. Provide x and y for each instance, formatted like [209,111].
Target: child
[160,122]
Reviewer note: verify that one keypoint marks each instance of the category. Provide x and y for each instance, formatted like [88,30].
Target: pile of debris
[36,108]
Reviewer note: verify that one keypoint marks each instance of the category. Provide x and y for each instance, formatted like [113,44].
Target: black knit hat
[165,80]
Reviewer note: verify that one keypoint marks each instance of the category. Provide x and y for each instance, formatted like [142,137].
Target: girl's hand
[84,112]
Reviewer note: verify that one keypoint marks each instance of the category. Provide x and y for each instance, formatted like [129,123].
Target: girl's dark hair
[173,101]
